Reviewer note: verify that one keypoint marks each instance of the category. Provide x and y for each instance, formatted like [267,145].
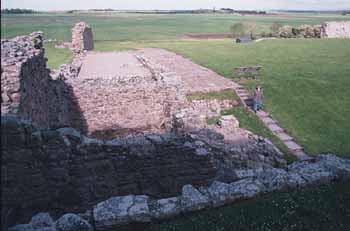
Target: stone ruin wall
[27,88]
[116,107]
[63,171]
[335,30]
[82,38]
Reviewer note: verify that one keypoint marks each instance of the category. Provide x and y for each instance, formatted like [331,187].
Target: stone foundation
[63,171]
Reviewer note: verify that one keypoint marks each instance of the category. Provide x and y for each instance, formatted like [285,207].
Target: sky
[177,4]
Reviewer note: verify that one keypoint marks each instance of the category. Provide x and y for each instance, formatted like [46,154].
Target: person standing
[258,96]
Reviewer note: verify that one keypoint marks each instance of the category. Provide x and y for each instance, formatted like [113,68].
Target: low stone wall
[118,211]
[335,30]
[63,171]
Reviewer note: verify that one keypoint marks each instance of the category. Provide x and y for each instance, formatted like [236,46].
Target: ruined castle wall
[60,170]
[335,30]
[82,38]
[27,88]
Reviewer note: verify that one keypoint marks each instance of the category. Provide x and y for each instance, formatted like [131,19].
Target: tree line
[17,11]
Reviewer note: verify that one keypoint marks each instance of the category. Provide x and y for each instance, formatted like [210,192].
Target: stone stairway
[272,124]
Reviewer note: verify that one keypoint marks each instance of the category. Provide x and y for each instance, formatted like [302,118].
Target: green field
[306,81]
[126,27]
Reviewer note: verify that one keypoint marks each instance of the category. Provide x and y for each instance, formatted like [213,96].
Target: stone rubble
[71,70]
[303,31]
[117,211]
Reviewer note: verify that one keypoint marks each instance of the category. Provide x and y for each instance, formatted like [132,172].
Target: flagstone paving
[272,124]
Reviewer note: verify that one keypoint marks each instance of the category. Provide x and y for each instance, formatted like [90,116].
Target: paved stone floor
[136,92]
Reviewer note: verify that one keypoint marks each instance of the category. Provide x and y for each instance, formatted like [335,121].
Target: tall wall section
[27,88]
[82,38]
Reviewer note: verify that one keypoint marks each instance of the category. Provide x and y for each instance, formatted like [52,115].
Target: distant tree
[275,27]
[17,11]
[238,29]
[244,29]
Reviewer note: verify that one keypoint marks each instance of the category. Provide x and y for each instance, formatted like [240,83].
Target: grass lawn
[306,82]
[311,209]
[221,95]
[56,56]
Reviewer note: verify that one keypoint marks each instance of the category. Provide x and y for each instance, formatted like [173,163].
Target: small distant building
[244,40]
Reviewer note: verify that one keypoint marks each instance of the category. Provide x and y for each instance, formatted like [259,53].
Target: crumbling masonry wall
[27,88]
[53,167]
[82,38]
[335,30]
[63,171]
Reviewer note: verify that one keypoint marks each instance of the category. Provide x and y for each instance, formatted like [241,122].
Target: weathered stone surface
[220,193]
[165,208]
[192,199]
[121,210]
[22,227]
[41,220]
[278,180]
[247,188]
[229,121]
[335,164]
[313,173]
[82,38]
[72,222]
[335,29]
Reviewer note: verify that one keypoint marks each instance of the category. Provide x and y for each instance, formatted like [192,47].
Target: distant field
[124,27]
